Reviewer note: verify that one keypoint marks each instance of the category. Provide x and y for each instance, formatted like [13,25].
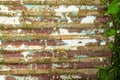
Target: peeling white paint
[34,47]
[80,56]
[111,38]
[65,77]
[78,42]
[103,43]
[88,7]
[28,22]
[83,32]
[2,77]
[73,48]
[25,77]
[5,68]
[66,32]
[30,66]
[42,1]
[69,19]
[5,9]
[31,78]
[21,1]
[101,30]
[1,34]
[49,48]
[19,30]
[101,59]
[40,49]
[88,19]
[69,77]
[36,8]
[9,20]
[63,31]
[61,47]
[10,47]
[76,77]
[26,53]
[62,9]
[65,65]
[0,42]
[56,66]
[19,77]
[92,32]
[22,46]
[54,28]
[27,58]
[55,33]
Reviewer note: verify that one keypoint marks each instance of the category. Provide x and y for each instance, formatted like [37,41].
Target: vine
[112,72]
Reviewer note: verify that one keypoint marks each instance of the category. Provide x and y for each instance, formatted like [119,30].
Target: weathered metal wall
[52,39]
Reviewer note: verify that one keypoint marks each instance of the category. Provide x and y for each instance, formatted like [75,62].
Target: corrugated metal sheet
[52,40]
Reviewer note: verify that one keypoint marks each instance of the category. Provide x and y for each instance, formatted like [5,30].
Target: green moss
[1,60]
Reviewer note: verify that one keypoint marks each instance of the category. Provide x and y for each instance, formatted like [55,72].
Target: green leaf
[111,45]
[110,32]
[114,7]
[102,67]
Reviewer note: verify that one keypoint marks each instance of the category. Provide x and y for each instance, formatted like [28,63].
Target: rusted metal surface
[51,2]
[52,40]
